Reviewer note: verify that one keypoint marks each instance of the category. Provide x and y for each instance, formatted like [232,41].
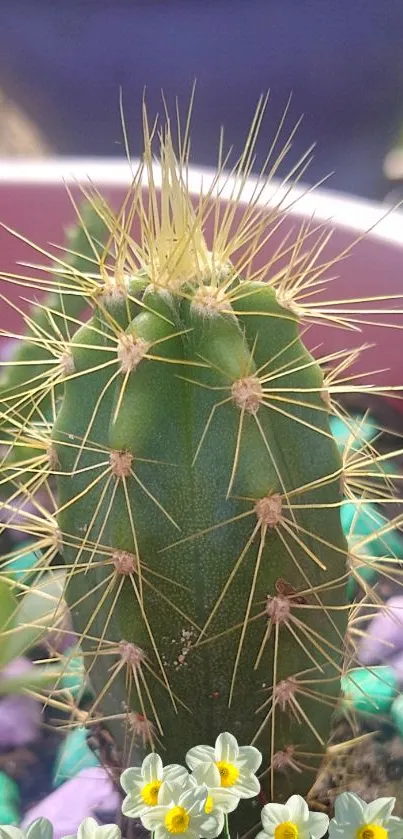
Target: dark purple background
[343,59]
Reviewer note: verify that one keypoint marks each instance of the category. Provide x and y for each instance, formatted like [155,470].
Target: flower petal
[194,800]
[131,778]
[207,826]
[395,828]
[226,747]
[153,817]
[349,809]
[87,828]
[318,824]
[108,831]
[133,805]
[298,809]
[338,832]
[224,799]
[249,758]
[200,754]
[39,829]
[274,814]
[169,794]
[263,834]
[160,832]
[247,786]
[219,816]
[174,771]
[208,774]
[377,811]
[152,768]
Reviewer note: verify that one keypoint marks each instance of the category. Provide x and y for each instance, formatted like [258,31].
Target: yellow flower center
[371,831]
[149,793]
[177,820]
[209,804]
[228,772]
[286,830]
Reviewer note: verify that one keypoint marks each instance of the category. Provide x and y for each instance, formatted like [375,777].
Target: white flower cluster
[171,800]
[195,804]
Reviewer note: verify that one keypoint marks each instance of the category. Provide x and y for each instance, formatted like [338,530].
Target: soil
[372,768]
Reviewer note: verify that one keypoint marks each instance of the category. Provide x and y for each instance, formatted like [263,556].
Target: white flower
[38,829]
[354,819]
[219,799]
[142,784]
[90,829]
[236,764]
[181,810]
[292,820]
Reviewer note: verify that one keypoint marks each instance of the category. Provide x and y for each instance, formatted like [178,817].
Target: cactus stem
[247,394]
[326,398]
[278,608]
[131,655]
[125,562]
[210,300]
[248,610]
[131,350]
[121,463]
[207,426]
[66,363]
[133,660]
[53,461]
[279,612]
[155,500]
[284,694]
[142,729]
[269,510]
[286,758]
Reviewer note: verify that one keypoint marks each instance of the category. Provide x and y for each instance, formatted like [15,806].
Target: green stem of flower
[226,832]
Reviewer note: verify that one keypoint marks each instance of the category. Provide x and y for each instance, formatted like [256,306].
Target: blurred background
[62,64]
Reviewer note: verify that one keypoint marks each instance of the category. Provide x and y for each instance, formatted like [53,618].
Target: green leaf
[36,612]
[8,605]
[41,676]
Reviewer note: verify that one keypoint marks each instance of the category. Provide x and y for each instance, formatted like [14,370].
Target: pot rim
[357,215]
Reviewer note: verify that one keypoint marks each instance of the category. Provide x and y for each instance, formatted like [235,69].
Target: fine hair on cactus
[181,430]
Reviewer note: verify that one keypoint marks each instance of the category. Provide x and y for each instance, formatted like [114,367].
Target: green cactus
[27,384]
[199,493]
[199,488]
